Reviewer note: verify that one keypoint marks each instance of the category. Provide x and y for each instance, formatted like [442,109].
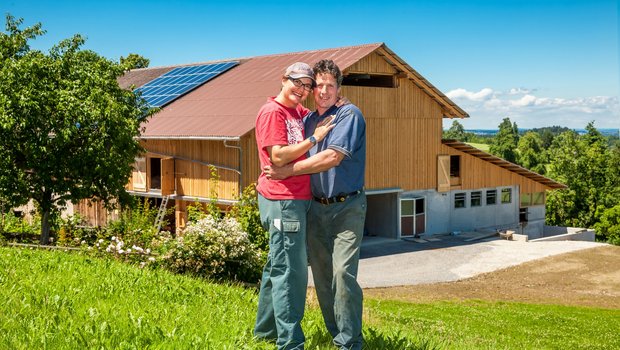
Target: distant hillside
[491,132]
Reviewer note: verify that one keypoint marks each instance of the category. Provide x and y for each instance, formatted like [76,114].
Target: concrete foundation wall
[534,227]
[442,217]
[583,235]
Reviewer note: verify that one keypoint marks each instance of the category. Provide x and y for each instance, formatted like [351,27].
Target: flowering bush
[214,248]
[245,211]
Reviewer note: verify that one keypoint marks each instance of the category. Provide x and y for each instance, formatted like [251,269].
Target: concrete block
[518,237]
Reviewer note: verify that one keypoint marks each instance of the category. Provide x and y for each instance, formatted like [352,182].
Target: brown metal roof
[463,147]
[226,107]
[139,77]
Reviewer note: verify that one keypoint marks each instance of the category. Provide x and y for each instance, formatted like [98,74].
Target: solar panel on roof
[179,81]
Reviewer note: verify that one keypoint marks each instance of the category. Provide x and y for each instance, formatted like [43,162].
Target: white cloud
[473,96]
[520,91]
[488,107]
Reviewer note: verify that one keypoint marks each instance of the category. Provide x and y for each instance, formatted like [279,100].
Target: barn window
[526,199]
[523,213]
[155,174]
[369,80]
[538,198]
[506,195]
[476,199]
[491,197]
[459,200]
[455,166]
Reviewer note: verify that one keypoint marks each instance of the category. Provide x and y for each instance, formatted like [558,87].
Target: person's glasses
[298,83]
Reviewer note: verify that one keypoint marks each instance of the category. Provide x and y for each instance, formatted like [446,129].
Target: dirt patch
[589,277]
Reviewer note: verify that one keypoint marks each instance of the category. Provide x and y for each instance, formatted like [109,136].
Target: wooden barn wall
[94,213]
[251,163]
[403,124]
[476,173]
[192,178]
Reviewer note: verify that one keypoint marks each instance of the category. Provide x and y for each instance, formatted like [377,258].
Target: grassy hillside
[58,300]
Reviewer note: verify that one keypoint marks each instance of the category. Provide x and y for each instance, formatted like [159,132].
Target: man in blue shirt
[337,213]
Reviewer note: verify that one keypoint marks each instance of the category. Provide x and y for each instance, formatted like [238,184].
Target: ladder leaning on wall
[161,212]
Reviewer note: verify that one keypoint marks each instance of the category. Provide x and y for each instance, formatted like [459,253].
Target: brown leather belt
[336,199]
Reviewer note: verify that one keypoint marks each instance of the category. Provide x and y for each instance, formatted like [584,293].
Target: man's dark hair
[328,66]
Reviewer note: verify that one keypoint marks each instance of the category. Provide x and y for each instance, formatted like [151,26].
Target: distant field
[480,146]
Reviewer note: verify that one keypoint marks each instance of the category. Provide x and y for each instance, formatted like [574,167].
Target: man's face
[326,91]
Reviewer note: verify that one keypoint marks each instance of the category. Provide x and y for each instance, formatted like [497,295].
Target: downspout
[240,170]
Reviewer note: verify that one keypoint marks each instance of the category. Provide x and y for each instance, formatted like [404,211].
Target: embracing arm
[281,155]
[319,162]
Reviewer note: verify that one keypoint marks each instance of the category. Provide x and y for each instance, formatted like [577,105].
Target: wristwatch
[312,140]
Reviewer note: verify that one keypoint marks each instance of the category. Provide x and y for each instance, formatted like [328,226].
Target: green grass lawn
[481,146]
[58,300]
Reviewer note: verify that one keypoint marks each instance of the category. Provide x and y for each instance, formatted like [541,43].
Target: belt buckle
[324,201]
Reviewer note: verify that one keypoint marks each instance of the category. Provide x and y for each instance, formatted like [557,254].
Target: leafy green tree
[609,226]
[590,170]
[133,61]
[505,143]
[531,154]
[68,130]
[456,132]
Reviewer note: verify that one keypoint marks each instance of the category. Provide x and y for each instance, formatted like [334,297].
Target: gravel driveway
[388,262]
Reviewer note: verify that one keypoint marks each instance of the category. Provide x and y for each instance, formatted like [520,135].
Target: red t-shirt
[277,124]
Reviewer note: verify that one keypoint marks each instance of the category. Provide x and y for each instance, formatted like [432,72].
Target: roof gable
[226,106]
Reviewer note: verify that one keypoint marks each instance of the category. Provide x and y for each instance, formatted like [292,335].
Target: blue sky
[540,63]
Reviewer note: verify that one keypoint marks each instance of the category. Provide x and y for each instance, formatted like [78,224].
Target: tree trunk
[45,227]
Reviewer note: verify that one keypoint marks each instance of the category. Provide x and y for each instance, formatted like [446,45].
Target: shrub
[214,248]
[21,229]
[136,226]
[608,228]
[73,232]
[245,211]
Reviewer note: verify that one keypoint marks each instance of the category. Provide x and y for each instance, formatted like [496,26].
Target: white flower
[83,242]
[151,259]
[113,238]
[120,251]
[128,251]
[101,241]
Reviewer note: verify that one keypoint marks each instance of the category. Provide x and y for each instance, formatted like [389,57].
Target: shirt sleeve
[349,131]
[303,111]
[271,128]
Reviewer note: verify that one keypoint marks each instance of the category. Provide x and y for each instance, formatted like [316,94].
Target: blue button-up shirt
[347,137]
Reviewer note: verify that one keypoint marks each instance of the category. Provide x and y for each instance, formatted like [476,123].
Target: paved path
[386,263]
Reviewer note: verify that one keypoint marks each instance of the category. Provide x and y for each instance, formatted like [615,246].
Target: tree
[68,130]
[456,132]
[609,226]
[590,170]
[531,154]
[133,61]
[505,142]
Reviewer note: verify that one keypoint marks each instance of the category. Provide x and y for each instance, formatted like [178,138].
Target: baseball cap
[299,70]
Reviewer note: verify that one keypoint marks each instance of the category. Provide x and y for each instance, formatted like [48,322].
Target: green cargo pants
[282,296]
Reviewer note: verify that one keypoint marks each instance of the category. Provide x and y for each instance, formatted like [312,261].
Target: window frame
[506,192]
[460,197]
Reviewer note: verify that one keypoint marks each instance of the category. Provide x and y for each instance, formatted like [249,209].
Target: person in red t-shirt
[283,205]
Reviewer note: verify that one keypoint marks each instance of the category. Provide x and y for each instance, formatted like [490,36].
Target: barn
[417,184]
